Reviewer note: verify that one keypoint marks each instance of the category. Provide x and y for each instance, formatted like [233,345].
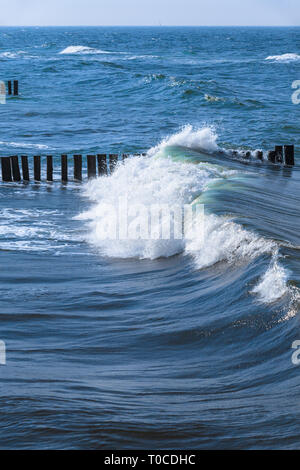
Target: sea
[151,342]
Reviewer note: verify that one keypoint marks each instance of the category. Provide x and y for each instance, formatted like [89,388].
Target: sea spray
[189,137]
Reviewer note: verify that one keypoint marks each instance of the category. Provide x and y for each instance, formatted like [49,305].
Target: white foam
[284,57]
[273,284]
[226,241]
[147,181]
[82,50]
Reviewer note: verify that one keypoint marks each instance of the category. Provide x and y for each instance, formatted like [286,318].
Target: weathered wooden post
[49,168]
[25,169]
[64,168]
[78,167]
[15,168]
[279,153]
[113,160]
[16,88]
[37,167]
[259,155]
[9,88]
[272,156]
[102,164]
[91,166]
[289,155]
[6,169]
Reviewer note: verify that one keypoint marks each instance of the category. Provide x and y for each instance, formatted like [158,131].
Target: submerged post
[260,155]
[91,166]
[49,168]
[113,160]
[102,164]
[279,153]
[15,168]
[9,88]
[25,169]
[16,88]
[37,167]
[6,169]
[289,155]
[64,168]
[78,167]
[272,156]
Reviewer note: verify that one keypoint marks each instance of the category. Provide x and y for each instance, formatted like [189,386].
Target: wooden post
[37,167]
[272,156]
[25,169]
[6,169]
[113,160]
[289,155]
[91,166]
[15,168]
[49,168]
[102,164]
[260,155]
[279,153]
[16,88]
[9,88]
[78,167]
[64,168]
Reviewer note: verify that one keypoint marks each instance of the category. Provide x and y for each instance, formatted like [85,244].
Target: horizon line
[146,26]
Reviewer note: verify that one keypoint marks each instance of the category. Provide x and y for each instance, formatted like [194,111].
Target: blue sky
[150,12]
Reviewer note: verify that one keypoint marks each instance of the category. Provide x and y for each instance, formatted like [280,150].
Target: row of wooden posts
[284,154]
[13,87]
[101,164]
[96,165]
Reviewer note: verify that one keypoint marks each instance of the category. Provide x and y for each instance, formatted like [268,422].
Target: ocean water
[117,344]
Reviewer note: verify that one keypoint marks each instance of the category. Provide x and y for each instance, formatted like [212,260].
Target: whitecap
[82,50]
[284,57]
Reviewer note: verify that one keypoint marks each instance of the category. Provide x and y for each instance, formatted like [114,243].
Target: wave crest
[284,57]
[82,50]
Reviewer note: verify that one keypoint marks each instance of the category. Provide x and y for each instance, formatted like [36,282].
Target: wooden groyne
[17,169]
[13,87]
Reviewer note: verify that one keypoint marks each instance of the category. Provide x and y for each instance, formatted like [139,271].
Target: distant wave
[15,55]
[23,145]
[212,98]
[284,58]
[83,50]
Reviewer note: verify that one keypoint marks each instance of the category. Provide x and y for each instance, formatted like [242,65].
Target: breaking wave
[159,180]
[82,50]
